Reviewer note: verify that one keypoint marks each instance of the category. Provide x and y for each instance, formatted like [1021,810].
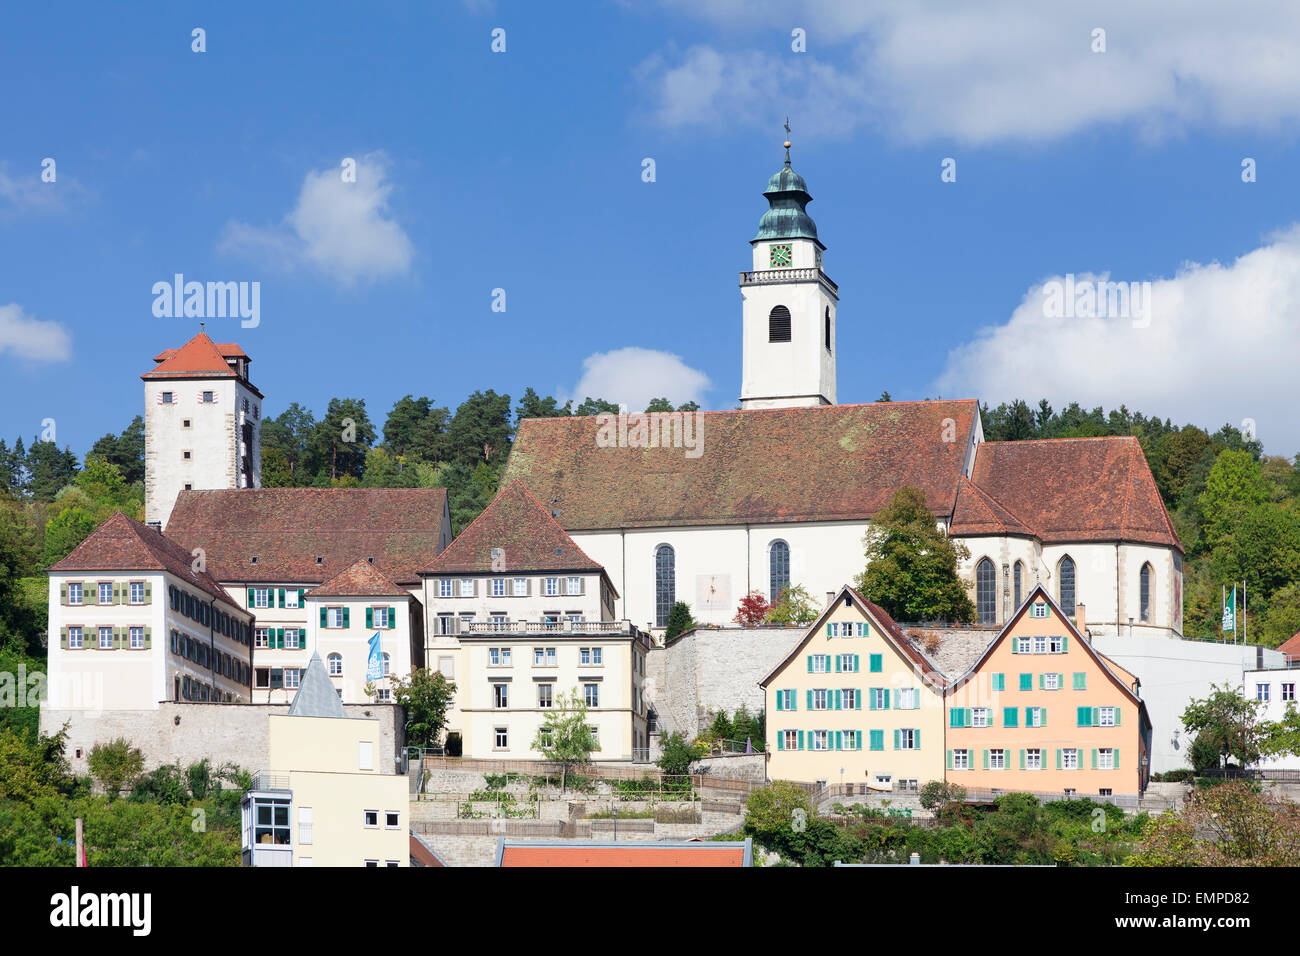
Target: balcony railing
[265,780]
[547,627]
[769,276]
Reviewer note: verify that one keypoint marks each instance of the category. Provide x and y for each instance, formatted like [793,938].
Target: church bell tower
[788,315]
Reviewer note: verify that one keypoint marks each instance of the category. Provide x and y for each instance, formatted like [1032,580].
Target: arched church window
[1144,592]
[665,583]
[828,328]
[778,324]
[779,569]
[986,592]
[1066,585]
[1018,582]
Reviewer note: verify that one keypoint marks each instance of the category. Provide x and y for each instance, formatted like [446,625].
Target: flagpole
[1243,611]
[1223,608]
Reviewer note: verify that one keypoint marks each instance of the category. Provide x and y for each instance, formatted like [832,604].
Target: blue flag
[375,665]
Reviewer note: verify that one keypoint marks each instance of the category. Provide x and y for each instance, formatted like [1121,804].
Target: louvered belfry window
[778,325]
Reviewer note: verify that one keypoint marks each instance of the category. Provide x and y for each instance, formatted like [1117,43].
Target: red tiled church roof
[287,529]
[825,463]
[977,513]
[1072,489]
[527,536]
[124,544]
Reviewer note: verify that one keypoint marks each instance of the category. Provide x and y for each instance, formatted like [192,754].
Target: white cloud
[341,229]
[632,376]
[30,338]
[30,194]
[997,70]
[1221,346]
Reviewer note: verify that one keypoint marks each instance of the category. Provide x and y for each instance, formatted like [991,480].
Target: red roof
[523,534]
[1068,489]
[977,513]
[124,544]
[1291,646]
[361,579]
[625,854]
[200,357]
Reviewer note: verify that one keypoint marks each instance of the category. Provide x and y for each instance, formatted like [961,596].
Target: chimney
[830,598]
[914,859]
[1080,620]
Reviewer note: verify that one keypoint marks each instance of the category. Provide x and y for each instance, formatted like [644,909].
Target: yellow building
[855,703]
[326,799]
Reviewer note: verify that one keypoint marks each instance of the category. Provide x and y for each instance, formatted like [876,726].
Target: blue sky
[521,171]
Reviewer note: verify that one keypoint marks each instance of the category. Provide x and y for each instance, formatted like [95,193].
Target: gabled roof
[316,696]
[824,463]
[521,530]
[976,513]
[624,854]
[200,357]
[1291,646]
[422,854]
[124,544]
[1038,592]
[1071,489]
[925,668]
[287,529]
[360,579]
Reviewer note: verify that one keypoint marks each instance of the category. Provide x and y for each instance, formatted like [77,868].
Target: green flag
[1230,611]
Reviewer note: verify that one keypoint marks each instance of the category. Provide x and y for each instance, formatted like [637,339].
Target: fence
[1236,773]
[539,768]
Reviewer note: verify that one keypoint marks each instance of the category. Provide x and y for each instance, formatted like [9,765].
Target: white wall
[1276,707]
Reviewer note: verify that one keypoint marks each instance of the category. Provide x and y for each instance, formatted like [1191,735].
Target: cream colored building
[131,623]
[855,703]
[324,800]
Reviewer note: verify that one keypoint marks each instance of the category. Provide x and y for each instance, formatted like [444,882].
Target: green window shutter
[828,629]
[839,740]
[370,618]
[148,592]
[855,663]
[780,740]
[948,764]
[952,717]
[809,663]
[877,663]
[280,596]
[1010,717]
[1115,759]
[872,703]
[1026,681]
[250,597]
[886,698]
[345,617]
[801,740]
[792,700]
[1084,717]
[1042,682]
[877,740]
[917,739]
[1022,760]
[1015,646]
[279,638]
[148,638]
[838,695]
[837,663]
[392,618]
[779,696]
[1093,758]
[63,636]
[1060,681]
[302,597]
[324,618]
[1118,711]
[897,734]
[1042,716]
[1065,643]
[810,707]
[857,702]
[986,760]
[1080,681]
[1058,758]
[1094,716]
[63,594]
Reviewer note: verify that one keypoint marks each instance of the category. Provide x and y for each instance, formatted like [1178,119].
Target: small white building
[1275,690]
[132,623]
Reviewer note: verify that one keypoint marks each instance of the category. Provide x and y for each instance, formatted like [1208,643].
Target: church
[782,490]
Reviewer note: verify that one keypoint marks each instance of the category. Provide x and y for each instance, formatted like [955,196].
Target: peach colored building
[1041,711]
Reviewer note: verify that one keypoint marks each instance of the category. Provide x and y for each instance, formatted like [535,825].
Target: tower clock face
[780,255]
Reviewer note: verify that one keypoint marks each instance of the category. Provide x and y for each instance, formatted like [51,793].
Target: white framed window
[1051,682]
[545,696]
[501,739]
[384,695]
[1033,759]
[819,698]
[997,760]
[595,734]
[137,638]
[498,587]
[1288,691]
[501,696]
[291,597]
[791,739]
[551,586]
[444,587]
[292,677]
[1038,609]
[1106,716]
[499,656]
[1069,759]
[261,597]
[574,618]
[521,587]
[591,695]
[371,821]
[847,662]
[446,624]
[1040,644]
[105,638]
[979,716]
[137,592]
[392,820]
[74,637]
[292,639]
[573,585]
[908,698]
[1022,645]
[261,637]
[879,698]
[1106,759]
[1035,717]
[74,592]
[821,740]
[335,663]
[848,699]
[167,398]
[105,592]
[821,663]
[961,760]
[1262,691]
[386,664]
[209,398]
[466,587]
[786,699]
[590,655]
[334,617]
[1056,645]
[543,657]
[379,617]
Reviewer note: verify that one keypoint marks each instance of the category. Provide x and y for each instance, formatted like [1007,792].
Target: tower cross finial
[787,141]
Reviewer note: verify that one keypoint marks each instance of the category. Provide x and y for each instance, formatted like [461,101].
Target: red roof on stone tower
[200,357]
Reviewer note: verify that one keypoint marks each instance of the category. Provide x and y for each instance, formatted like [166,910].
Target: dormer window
[320,560]
[253,560]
